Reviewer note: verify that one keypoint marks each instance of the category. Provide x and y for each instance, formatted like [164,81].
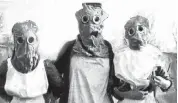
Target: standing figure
[27,77]
[140,64]
[87,62]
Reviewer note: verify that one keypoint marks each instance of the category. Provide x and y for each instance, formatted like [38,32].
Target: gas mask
[136,32]
[90,20]
[26,43]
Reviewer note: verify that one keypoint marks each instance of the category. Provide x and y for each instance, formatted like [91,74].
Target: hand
[161,82]
[137,94]
[132,94]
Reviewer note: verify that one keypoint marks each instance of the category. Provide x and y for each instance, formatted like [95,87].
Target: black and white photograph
[88,51]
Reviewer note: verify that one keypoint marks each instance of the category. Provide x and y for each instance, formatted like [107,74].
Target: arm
[162,75]
[132,94]
[113,81]
[61,64]
[54,77]
[122,89]
[3,70]
[161,78]
[63,56]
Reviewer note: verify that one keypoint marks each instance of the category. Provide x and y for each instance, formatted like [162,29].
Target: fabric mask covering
[90,40]
[25,57]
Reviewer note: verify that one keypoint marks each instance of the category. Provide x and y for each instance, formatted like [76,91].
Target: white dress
[26,88]
[136,67]
[88,80]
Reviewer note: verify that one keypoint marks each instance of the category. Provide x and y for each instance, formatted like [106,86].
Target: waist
[38,99]
[26,93]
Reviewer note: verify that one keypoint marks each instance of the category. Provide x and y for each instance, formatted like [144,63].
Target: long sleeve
[163,68]
[161,72]
[3,70]
[62,61]
[54,77]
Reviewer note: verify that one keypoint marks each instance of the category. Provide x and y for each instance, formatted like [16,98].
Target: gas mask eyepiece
[96,19]
[140,28]
[20,40]
[30,40]
[85,19]
[131,31]
[90,18]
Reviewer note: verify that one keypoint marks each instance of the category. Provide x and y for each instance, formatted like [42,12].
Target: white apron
[88,80]
[26,88]
[136,67]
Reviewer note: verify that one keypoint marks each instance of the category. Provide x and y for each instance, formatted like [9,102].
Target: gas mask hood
[26,44]
[90,19]
[137,31]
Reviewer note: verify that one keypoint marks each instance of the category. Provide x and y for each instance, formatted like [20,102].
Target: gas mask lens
[85,19]
[30,40]
[140,28]
[20,40]
[96,19]
[131,31]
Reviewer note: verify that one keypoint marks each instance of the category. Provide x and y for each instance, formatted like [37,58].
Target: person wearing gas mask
[27,77]
[140,64]
[87,62]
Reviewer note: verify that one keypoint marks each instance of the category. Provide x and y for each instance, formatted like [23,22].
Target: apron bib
[26,88]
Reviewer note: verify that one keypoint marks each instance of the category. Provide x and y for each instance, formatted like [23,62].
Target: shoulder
[111,53]
[64,54]
[47,63]
[68,45]
[154,50]
[107,42]
[121,55]
[122,50]
[66,48]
